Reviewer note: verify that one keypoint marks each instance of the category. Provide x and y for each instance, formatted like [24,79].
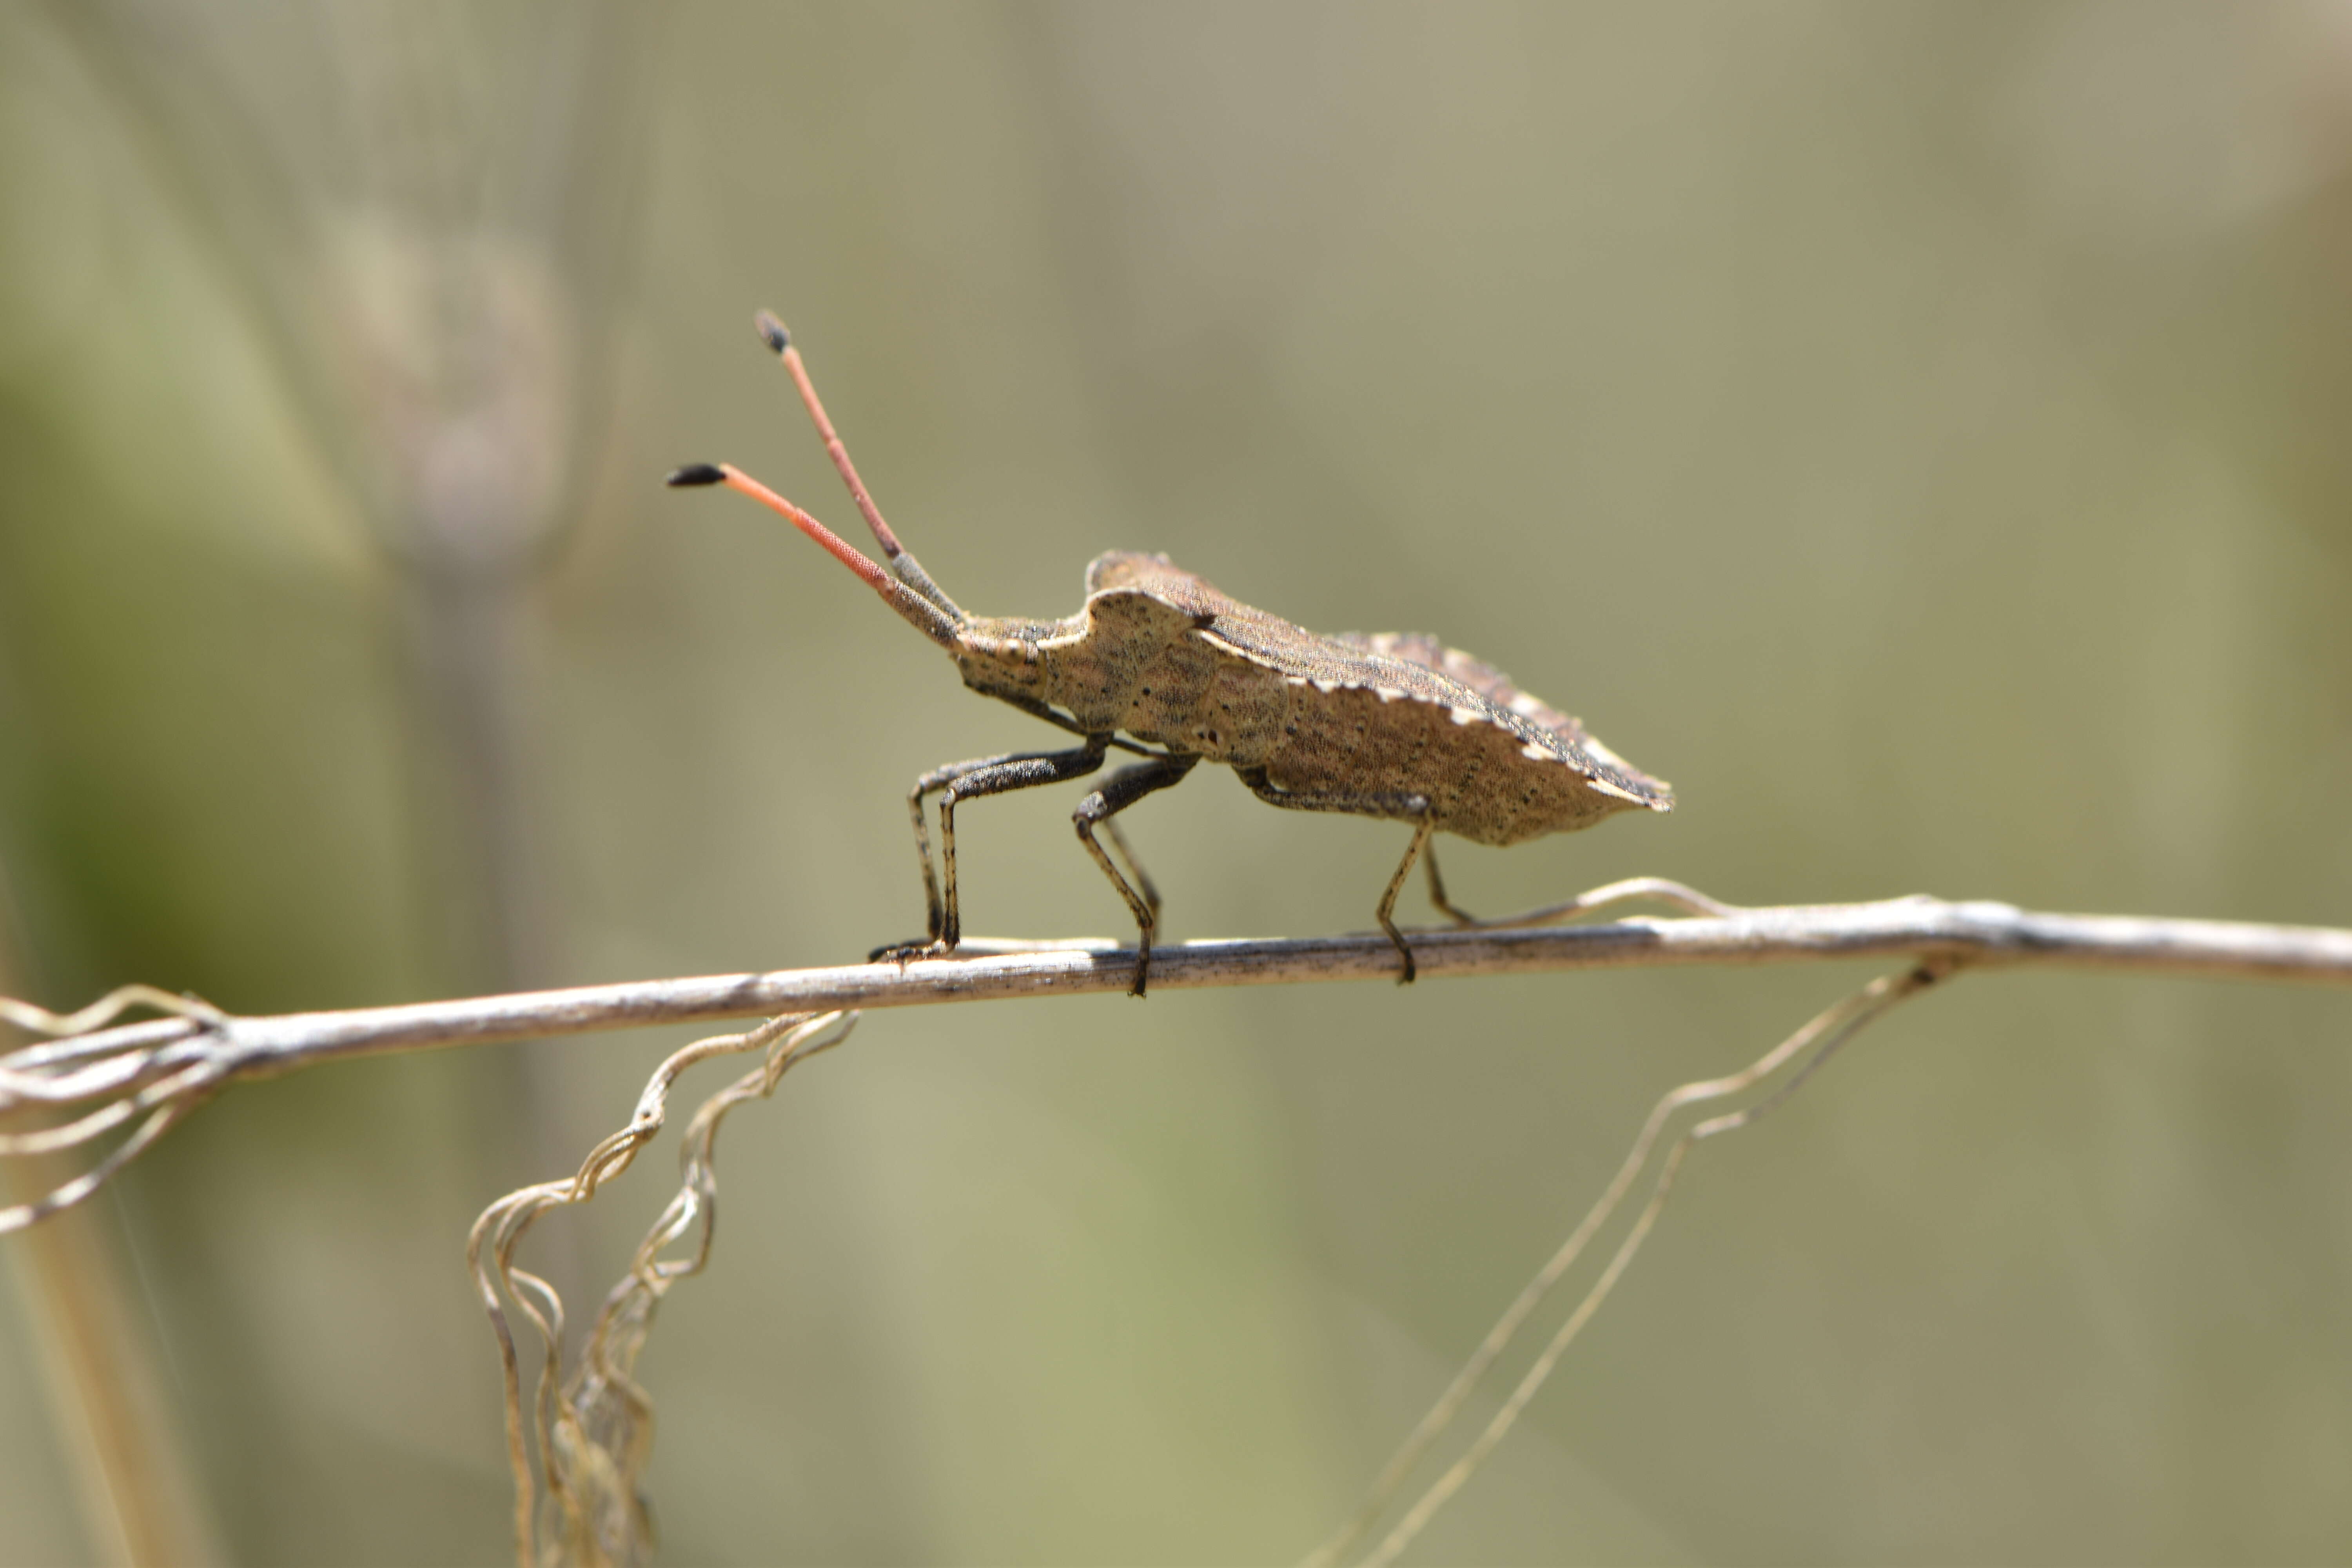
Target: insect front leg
[931,783]
[966,781]
[1413,808]
[1119,792]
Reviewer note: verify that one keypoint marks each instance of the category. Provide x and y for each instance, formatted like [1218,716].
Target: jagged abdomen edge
[1483,780]
[1534,720]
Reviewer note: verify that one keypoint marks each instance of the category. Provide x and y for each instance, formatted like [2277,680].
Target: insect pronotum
[1158,663]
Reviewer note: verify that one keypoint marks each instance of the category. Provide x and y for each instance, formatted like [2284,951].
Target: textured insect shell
[1164,656]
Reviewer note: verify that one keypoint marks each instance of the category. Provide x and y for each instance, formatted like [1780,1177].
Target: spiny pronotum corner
[1158,663]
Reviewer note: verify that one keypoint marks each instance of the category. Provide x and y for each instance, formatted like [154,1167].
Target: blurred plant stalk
[450,354]
[431,259]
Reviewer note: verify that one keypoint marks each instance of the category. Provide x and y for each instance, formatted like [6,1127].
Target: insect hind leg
[1386,913]
[1446,906]
[1412,808]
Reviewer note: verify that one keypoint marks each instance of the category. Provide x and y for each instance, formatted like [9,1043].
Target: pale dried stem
[106,1406]
[1442,1414]
[35,1020]
[592,1433]
[607,1415]
[1653,889]
[1823,1036]
[143,1063]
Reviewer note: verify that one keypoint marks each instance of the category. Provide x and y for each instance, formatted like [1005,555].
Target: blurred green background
[1918,431]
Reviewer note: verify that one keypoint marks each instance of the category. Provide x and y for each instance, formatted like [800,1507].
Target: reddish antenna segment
[773,333]
[912,606]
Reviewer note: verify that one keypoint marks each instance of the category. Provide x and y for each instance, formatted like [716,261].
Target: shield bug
[1158,663]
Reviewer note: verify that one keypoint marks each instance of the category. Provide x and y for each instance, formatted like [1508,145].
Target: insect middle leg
[1119,792]
[1143,882]
[965,781]
[1412,808]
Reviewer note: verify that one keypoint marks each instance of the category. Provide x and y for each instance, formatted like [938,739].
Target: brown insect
[1393,725]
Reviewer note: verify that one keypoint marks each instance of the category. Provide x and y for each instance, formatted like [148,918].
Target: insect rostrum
[1158,663]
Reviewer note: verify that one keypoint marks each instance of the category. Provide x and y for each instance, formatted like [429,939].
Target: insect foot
[903,953]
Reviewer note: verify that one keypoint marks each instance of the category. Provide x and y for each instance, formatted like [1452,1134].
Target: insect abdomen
[1477,778]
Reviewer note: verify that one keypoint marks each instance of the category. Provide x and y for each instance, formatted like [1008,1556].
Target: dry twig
[582,1505]
[1828,1031]
[155,1071]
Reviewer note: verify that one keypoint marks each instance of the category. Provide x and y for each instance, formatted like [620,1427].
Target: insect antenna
[935,620]
[908,569]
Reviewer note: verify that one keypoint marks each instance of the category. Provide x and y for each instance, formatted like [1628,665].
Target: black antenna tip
[772,330]
[695,474]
